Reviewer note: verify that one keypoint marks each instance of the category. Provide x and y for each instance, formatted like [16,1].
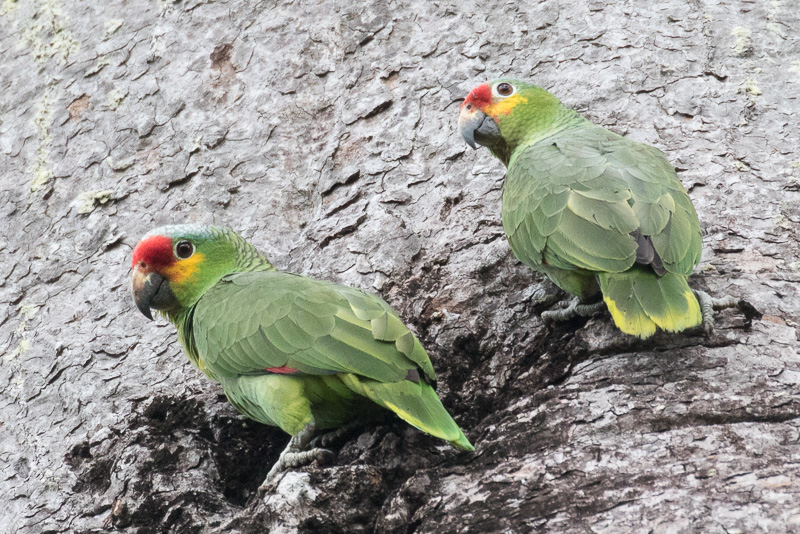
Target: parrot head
[173,266]
[505,113]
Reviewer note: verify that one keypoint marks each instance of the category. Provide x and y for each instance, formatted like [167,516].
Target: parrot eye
[504,89]
[184,250]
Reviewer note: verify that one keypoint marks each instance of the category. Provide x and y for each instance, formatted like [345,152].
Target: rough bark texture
[326,134]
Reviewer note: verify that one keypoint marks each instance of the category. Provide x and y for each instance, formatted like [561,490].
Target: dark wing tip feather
[646,253]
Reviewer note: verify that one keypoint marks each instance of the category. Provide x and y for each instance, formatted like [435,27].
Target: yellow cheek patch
[183,270]
[505,106]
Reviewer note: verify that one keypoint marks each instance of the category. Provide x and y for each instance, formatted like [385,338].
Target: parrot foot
[573,308]
[709,304]
[297,453]
[329,438]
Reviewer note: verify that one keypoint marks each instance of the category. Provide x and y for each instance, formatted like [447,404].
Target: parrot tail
[416,403]
[639,301]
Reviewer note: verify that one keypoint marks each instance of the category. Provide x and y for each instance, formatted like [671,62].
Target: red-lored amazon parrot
[289,351]
[594,211]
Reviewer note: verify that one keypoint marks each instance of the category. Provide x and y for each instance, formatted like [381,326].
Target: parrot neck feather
[539,117]
[570,119]
[226,253]
[183,323]
[563,119]
[248,258]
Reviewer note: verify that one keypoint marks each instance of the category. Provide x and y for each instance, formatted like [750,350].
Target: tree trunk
[326,133]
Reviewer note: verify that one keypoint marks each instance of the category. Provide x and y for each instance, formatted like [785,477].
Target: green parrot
[594,211]
[288,351]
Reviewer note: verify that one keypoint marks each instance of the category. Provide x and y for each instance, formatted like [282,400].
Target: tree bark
[326,134]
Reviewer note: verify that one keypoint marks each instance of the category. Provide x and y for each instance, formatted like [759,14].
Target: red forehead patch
[479,97]
[155,251]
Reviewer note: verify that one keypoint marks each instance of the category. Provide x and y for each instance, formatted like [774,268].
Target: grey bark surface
[326,133]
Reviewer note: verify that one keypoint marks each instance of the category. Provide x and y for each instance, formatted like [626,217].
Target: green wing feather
[337,337]
[250,322]
[416,403]
[572,200]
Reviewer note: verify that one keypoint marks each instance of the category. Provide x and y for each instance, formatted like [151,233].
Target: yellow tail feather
[414,402]
[639,301]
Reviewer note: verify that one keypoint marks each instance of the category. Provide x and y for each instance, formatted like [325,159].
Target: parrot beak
[151,290]
[477,128]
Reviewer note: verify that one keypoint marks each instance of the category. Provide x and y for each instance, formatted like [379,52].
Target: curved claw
[709,304]
[329,438]
[297,453]
[574,309]
[289,460]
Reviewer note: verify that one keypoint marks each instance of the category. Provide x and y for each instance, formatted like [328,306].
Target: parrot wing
[260,322]
[590,199]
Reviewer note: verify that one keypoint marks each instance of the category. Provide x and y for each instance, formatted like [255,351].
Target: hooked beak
[151,290]
[477,128]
